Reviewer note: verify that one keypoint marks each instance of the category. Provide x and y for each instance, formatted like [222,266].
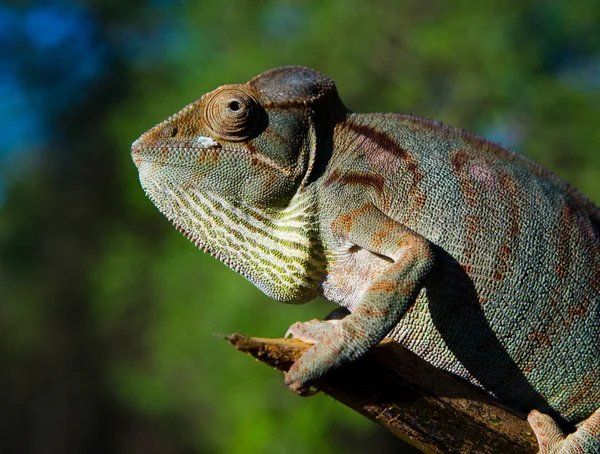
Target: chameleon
[472,256]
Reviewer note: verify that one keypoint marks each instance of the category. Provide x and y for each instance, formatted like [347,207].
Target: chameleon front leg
[552,440]
[381,306]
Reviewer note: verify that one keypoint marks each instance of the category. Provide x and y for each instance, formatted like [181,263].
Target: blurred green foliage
[107,314]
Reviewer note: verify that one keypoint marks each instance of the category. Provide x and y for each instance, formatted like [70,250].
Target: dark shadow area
[457,314]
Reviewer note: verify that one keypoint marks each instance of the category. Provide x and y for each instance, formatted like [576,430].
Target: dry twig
[425,406]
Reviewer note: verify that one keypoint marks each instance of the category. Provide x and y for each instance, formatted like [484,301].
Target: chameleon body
[475,258]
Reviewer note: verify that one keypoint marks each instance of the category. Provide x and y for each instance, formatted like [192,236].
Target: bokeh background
[107,314]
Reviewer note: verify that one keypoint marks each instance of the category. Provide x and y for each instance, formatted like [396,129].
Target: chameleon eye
[232,114]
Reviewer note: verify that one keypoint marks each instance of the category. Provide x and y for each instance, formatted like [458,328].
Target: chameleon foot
[312,331]
[307,368]
[552,439]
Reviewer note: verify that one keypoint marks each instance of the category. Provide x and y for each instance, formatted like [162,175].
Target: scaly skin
[478,260]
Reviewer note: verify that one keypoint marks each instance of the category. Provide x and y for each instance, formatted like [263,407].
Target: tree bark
[428,408]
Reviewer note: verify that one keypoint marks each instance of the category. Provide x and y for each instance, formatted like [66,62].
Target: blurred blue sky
[49,54]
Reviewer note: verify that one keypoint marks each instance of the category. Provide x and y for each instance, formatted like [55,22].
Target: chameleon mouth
[142,151]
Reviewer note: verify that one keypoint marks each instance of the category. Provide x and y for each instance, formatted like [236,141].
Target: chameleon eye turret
[232,113]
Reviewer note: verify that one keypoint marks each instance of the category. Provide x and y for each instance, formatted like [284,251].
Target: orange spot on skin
[466,268]
[383,232]
[578,309]
[505,251]
[384,286]
[342,225]
[542,338]
[473,223]
[371,312]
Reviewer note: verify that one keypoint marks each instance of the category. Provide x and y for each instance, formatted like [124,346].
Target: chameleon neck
[278,250]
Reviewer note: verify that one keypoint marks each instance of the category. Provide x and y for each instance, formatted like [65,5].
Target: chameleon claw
[302,389]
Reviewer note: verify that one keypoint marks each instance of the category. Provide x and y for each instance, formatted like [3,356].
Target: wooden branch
[426,407]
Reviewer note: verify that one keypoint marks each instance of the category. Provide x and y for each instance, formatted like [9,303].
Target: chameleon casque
[475,258]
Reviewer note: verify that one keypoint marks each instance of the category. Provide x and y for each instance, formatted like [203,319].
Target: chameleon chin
[478,260]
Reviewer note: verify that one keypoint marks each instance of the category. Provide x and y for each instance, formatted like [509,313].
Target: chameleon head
[230,171]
